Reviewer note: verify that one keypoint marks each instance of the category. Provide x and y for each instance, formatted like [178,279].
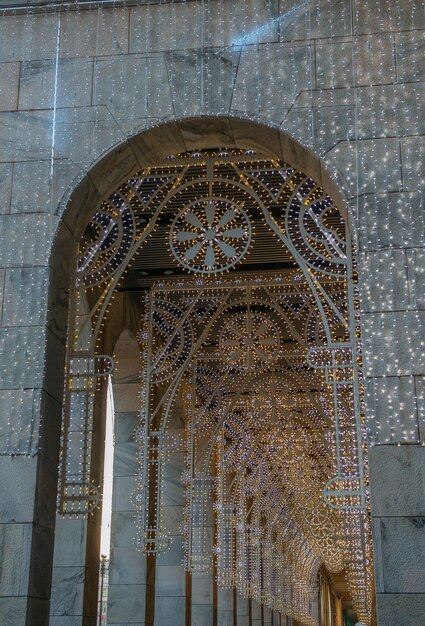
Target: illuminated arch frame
[151,146]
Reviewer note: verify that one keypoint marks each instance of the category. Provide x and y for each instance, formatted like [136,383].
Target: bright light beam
[252,37]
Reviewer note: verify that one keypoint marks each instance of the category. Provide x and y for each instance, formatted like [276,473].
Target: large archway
[262,364]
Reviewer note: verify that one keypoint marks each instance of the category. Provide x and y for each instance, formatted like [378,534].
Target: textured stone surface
[296,72]
[401,543]
[9,81]
[405,494]
[400,609]
[125,602]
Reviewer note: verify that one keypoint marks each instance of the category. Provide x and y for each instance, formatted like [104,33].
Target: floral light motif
[249,341]
[210,235]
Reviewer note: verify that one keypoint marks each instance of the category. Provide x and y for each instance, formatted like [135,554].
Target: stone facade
[345,79]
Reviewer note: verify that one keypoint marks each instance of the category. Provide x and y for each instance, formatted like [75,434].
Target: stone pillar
[172,582]
[242,611]
[130,571]
[267,616]
[30,418]
[256,619]
[225,607]
[397,475]
[276,618]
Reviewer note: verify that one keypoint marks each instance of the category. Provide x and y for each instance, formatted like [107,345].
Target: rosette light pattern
[249,341]
[210,235]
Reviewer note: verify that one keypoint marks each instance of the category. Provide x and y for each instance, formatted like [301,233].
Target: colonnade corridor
[217,291]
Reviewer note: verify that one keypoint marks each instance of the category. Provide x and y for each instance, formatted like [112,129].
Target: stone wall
[344,78]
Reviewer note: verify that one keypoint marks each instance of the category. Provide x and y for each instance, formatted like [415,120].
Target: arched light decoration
[266,361]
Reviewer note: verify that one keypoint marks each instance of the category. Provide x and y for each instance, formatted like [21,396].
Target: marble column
[225,607]
[256,613]
[242,611]
[267,616]
[172,584]
[130,572]
[397,477]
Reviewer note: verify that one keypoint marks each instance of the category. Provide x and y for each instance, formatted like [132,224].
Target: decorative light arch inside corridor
[256,334]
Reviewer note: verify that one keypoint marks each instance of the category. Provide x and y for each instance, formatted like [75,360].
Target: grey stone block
[390,110]
[155,28]
[334,64]
[126,602]
[25,239]
[34,38]
[45,502]
[67,591]
[371,166]
[107,174]
[123,530]
[401,544]
[70,543]
[202,589]
[9,81]
[392,411]
[260,68]
[170,581]
[124,486]
[244,22]
[125,425]
[6,186]
[25,135]
[383,280]
[19,420]
[127,397]
[393,343]
[202,614]
[201,81]
[390,220]
[126,459]
[173,519]
[420,395]
[388,17]
[331,124]
[127,370]
[170,610]
[416,278]
[413,163]
[21,348]
[31,187]
[410,49]
[96,33]
[17,504]
[133,86]
[400,609]
[41,559]
[25,298]
[370,59]
[299,122]
[83,134]
[45,84]
[15,547]
[66,620]
[225,599]
[174,554]
[225,618]
[127,566]
[397,481]
[13,611]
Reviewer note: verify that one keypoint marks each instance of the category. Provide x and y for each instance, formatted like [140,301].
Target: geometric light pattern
[268,365]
